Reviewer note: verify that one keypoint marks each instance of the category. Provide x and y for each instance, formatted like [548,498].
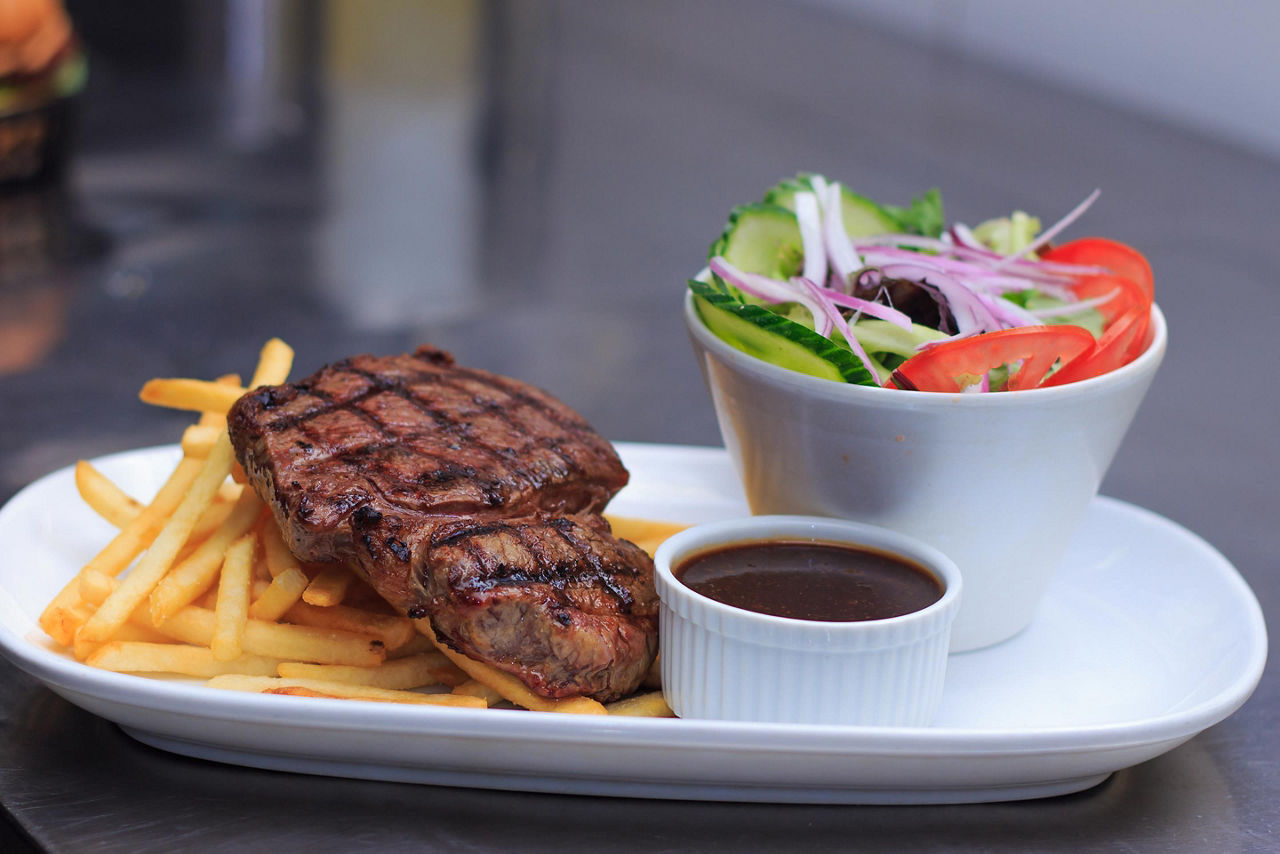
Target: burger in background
[42,69]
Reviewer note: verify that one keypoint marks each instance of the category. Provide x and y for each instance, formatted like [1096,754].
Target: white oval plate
[1148,636]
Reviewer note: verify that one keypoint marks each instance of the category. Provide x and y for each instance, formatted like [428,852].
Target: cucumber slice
[761,238]
[881,336]
[888,345]
[784,192]
[862,216]
[761,333]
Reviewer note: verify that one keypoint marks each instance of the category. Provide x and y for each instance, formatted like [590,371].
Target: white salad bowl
[727,663]
[999,481]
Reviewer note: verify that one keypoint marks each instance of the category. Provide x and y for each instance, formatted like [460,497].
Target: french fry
[329,587]
[228,379]
[391,629]
[650,705]
[134,657]
[193,395]
[648,534]
[210,520]
[472,688]
[321,688]
[417,645]
[274,363]
[138,628]
[194,625]
[195,574]
[279,558]
[158,558]
[131,632]
[67,620]
[218,420]
[232,611]
[261,578]
[104,497]
[299,691]
[82,649]
[507,685]
[281,594]
[123,548]
[198,440]
[230,492]
[96,586]
[416,671]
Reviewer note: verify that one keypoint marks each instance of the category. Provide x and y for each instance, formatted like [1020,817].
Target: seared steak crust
[415,435]
[558,602]
[423,474]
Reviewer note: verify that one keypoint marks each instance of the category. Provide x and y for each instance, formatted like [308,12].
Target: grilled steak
[467,497]
[557,601]
[414,436]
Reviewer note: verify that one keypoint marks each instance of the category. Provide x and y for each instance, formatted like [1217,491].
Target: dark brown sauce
[811,581]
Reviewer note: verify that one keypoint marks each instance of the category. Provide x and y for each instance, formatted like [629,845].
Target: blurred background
[1209,68]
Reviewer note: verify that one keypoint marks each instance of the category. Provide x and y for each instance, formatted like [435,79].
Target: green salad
[819,279]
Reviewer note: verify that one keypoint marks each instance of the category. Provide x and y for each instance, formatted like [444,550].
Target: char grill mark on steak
[558,602]
[583,568]
[463,496]
[458,432]
[556,464]
[403,433]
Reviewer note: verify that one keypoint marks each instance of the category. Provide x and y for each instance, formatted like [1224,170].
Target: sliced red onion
[964,236]
[822,320]
[840,250]
[976,266]
[872,309]
[970,314]
[1053,231]
[769,290]
[983,258]
[981,276]
[1073,307]
[913,240]
[1008,313]
[809,216]
[978,278]
[762,287]
[822,296]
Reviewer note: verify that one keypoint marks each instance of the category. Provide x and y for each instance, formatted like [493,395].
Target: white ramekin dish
[727,663]
[999,482]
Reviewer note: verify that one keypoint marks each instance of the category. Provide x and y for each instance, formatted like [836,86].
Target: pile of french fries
[199,582]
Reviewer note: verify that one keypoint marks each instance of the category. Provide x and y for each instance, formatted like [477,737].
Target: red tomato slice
[1121,259]
[1141,342]
[953,365]
[1128,294]
[1115,348]
[1130,279]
